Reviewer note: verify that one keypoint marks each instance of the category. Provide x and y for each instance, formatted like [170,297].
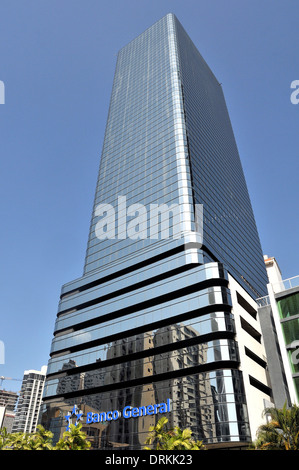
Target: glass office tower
[149,328]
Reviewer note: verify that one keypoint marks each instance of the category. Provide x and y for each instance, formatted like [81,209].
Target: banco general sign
[127,412]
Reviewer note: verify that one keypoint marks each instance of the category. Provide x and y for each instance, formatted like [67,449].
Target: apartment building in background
[30,399]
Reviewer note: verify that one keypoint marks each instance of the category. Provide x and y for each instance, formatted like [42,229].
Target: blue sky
[57,60]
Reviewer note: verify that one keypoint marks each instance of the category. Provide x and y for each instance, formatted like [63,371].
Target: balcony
[286,284]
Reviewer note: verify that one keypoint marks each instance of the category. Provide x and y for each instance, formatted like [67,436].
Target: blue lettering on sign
[129,412]
[102,417]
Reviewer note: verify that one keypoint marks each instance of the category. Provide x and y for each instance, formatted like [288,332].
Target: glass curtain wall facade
[148,329]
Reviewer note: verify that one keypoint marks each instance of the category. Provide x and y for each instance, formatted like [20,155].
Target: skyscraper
[163,319]
[28,407]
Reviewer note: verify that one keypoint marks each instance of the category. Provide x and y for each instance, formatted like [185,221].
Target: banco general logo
[73,417]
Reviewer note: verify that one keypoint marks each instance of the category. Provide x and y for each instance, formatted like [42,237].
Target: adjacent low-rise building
[279,317]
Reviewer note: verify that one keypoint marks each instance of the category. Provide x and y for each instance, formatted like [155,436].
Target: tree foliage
[174,439]
[281,432]
[74,439]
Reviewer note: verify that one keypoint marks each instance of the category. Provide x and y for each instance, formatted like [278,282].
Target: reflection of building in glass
[123,431]
[185,390]
[69,383]
[156,318]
